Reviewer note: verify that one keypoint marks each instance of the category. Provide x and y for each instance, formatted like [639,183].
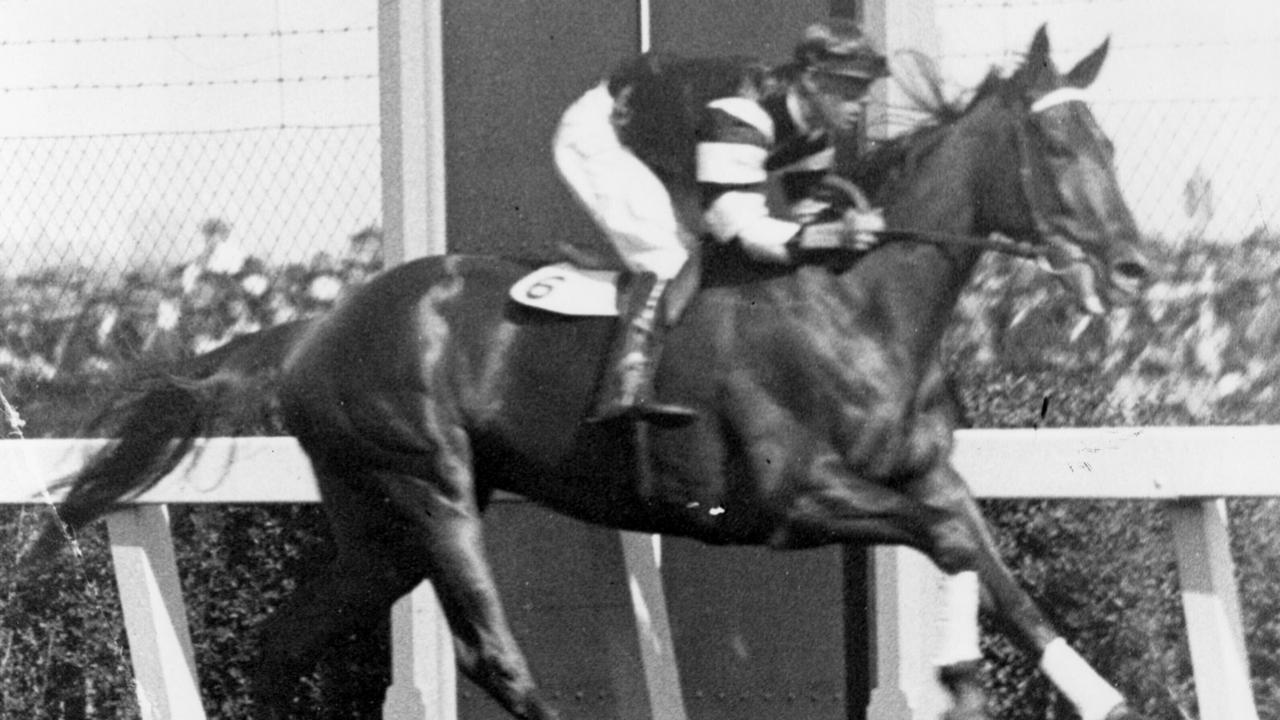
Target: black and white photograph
[639,360]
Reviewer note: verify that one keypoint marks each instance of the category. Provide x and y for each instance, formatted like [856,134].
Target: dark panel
[565,592]
[758,633]
[511,67]
[766,30]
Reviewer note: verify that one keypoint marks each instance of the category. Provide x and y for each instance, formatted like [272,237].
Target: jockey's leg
[627,391]
[627,201]
[635,210]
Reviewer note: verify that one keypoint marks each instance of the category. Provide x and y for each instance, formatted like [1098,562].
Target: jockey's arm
[732,172]
[742,214]
[732,151]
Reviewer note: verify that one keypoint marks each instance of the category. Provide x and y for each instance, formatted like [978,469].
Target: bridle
[996,242]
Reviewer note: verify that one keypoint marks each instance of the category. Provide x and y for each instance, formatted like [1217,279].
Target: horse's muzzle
[1097,284]
[1128,276]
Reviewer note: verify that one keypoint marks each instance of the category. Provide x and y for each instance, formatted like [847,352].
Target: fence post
[907,597]
[155,616]
[640,554]
[894,26]
[1212,609]
[411,111]
[905,585]
[423,674]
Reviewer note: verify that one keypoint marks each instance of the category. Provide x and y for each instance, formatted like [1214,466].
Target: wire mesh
[121,245]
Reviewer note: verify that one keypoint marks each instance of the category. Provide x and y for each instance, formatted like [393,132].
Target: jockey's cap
[838,47]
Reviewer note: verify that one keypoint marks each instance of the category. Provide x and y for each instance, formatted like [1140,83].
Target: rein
[994,242]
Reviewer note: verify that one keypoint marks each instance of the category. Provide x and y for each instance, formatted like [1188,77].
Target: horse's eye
[1058,148]
[1057,141]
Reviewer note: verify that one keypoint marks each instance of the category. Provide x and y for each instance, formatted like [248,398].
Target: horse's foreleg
[963,545]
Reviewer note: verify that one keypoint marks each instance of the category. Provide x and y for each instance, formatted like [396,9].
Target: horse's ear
[1039,45]
[1031,75]
[1086,71]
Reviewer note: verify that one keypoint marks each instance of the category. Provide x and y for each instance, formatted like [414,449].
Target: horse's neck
[915,283]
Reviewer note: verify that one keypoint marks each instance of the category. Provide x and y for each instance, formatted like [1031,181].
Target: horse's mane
[891,159]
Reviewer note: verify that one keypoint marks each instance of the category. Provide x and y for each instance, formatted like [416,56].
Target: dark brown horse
[825,415]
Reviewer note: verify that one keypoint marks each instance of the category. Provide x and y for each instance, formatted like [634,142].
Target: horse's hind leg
[961,545]
[352,594]
[393,531]
[349,596]
[449,528]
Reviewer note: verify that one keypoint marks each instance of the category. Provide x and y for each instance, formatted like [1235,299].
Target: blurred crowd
[1202,338]
[69,324]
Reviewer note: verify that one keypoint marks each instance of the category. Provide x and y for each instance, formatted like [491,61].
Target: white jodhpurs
[622,195]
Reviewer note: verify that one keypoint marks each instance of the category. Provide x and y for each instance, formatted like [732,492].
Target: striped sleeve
[733,148]
[801,165]
[734,143]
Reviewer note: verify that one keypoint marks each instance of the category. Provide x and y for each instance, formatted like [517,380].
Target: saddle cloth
[565,289]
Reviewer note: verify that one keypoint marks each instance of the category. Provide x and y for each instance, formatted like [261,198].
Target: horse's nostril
[1133,269]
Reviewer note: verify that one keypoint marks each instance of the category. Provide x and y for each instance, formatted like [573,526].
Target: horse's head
[1071,201]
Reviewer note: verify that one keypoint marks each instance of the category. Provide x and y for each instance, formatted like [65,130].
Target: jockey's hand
[854,230]
[864,227]
[820,237]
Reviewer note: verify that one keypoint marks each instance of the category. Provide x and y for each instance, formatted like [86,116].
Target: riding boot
[627,391]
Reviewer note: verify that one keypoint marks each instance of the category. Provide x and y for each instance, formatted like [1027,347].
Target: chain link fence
[1190,92]
[122,245]
[255,200]
[119,202]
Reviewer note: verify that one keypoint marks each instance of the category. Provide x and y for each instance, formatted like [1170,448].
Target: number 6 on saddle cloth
[566,288]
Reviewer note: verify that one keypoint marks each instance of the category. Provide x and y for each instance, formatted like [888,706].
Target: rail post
[907,596]
[155,616]
[905,584]
[411,111]
[411,115]
[1211,606]
[423,674]
[641,555]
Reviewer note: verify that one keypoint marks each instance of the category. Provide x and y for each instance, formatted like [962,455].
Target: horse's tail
[230,391]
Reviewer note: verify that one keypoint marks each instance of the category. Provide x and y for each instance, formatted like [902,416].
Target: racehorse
[825,415]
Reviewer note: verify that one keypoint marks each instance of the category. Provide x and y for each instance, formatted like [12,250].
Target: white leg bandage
[960,620]
[1092,696]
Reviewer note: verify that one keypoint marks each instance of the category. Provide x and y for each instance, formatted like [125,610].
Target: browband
[1059,96]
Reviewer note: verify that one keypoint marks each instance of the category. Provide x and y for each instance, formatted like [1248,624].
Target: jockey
[668,148]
